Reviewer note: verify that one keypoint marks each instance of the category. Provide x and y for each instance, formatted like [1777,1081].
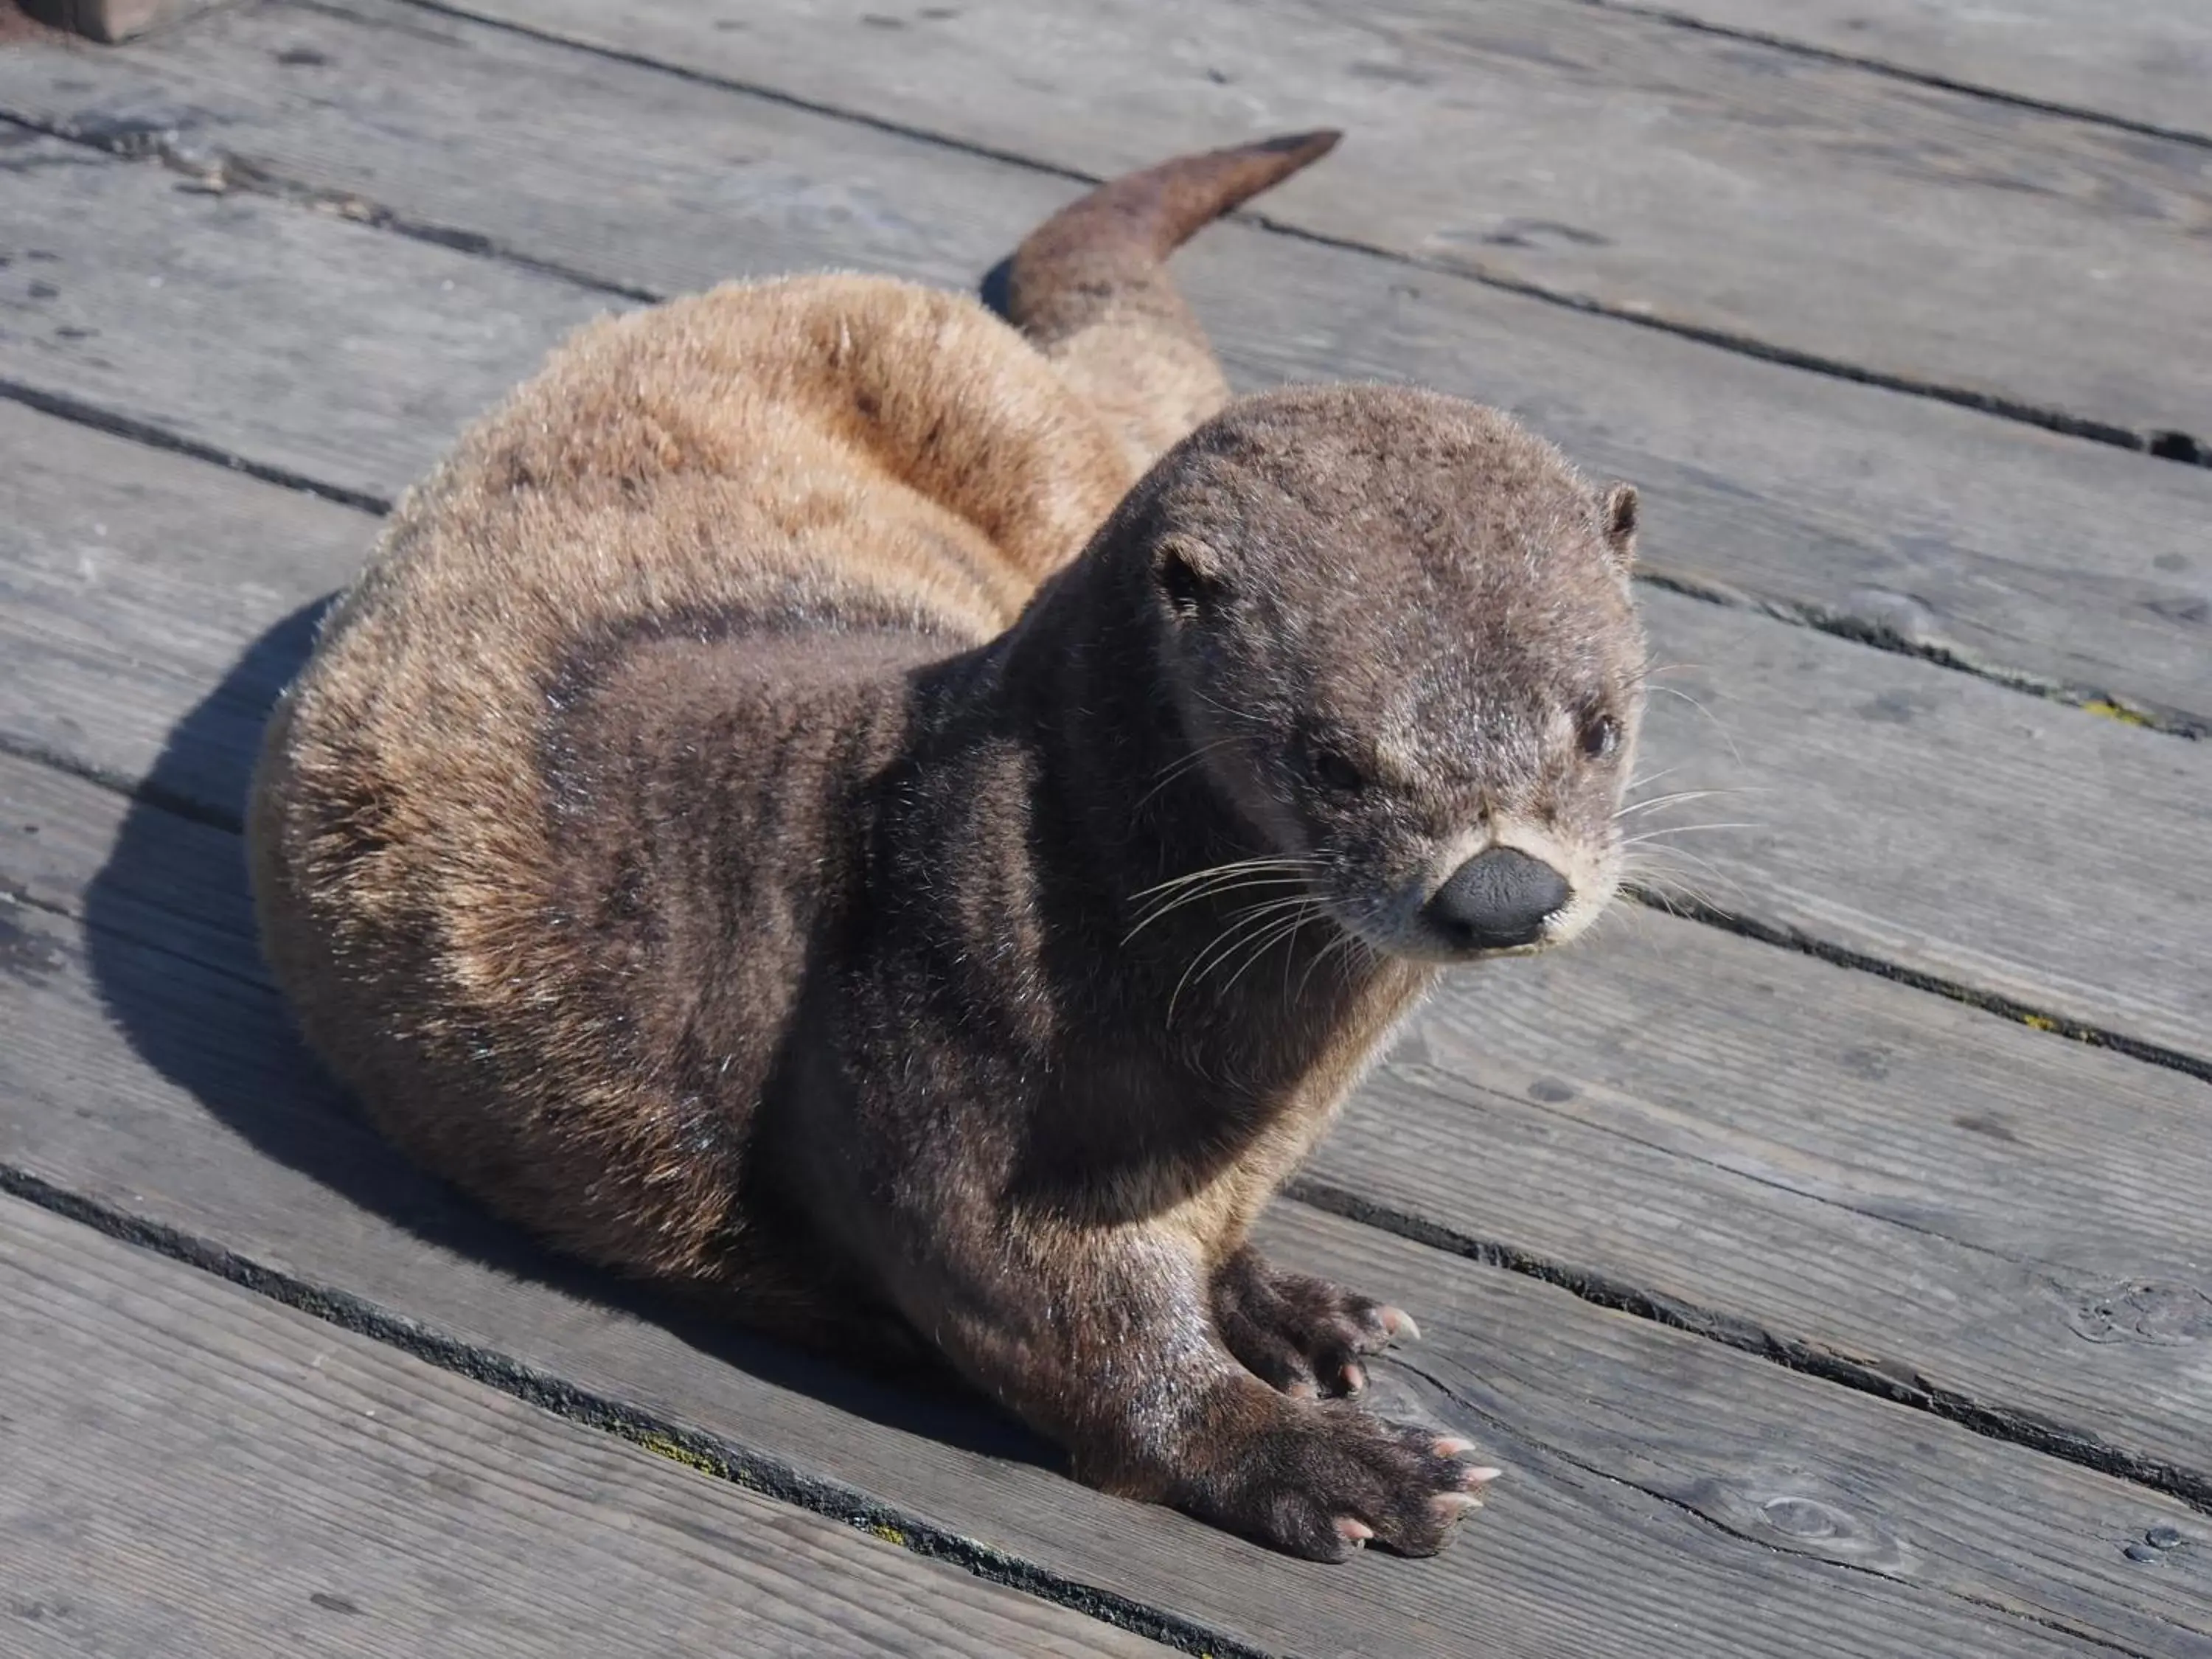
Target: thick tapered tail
[1090,289]
[1108,246]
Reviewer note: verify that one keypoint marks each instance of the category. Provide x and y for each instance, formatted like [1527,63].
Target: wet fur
[724,826]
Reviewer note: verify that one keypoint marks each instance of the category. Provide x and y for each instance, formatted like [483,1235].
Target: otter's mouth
[1502,902]
[1420,945]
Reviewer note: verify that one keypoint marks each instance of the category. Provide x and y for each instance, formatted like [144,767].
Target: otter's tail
[1089,288]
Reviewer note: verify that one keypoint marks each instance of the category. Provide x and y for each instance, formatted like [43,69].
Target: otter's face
[1424,686]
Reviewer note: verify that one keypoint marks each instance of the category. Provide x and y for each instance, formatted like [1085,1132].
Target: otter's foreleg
[1089,288]
[1107,1341]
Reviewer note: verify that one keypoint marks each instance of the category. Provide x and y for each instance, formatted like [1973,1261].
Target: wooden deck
[1829,1260]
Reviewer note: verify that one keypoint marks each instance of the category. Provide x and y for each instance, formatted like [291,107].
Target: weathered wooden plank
[1803,1160]
[1864,1490]
[2147,63]
[363,347]
[193,1470]
[130,581]
[2038,556]
[1633,1522]
[2008,843]
[1598,154]
[1656,1113]
[1581,1568]
[1654,1109]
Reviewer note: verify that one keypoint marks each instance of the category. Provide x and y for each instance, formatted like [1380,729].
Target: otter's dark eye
[1338,773]
[1600,736]
[1333,771]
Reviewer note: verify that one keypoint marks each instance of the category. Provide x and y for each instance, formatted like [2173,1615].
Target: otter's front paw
[1321,1480]
[1300,1334]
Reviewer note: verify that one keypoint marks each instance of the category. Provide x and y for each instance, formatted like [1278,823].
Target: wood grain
[1896,1532]
[2033,555]
[1866,1489]
[301,341]
[131,581]
[1657,1112]
[1934,820]
[1599,155]
[1800,1160]
[2148,63]
[193,1470]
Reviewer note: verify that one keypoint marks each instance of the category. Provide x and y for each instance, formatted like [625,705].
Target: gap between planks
[2024,1009]
[1747,1336]
[1934,80]
[721,1457]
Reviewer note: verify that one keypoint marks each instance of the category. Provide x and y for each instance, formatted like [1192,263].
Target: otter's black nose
[1497,898]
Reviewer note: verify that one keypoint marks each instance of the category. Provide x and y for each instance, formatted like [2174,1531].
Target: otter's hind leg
[1090,289]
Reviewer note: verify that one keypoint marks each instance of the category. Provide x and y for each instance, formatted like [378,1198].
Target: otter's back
[839,455]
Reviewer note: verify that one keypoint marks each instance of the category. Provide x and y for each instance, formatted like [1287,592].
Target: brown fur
[729,829]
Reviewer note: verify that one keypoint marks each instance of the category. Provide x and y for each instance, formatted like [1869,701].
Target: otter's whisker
[1682,853]
[1650,875]
[1285,927]
[1645,782]
[1252,919]
[1219,889]
[1636,918]
[1673,799]
[1276,863]
[1214,882]
[1684,830]
[1178,768]
[1665,892]
[1345,943]
[1223,708]
[1726,736]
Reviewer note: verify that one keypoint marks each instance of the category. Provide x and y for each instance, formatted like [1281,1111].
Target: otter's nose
[1496,899]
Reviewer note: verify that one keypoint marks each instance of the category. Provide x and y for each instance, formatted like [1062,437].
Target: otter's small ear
[1189,577]
[1618,523]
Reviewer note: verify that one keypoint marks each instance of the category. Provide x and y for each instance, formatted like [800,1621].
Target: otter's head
[1399,637]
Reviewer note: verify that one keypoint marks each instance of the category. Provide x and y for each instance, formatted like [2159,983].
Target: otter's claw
[1300,1334]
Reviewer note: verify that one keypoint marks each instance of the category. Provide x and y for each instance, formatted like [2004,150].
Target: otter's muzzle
[1496,899]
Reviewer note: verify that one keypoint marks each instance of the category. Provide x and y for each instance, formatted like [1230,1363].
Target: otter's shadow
[172,949]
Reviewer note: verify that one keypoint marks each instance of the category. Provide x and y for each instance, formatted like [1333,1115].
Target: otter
[901,819]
